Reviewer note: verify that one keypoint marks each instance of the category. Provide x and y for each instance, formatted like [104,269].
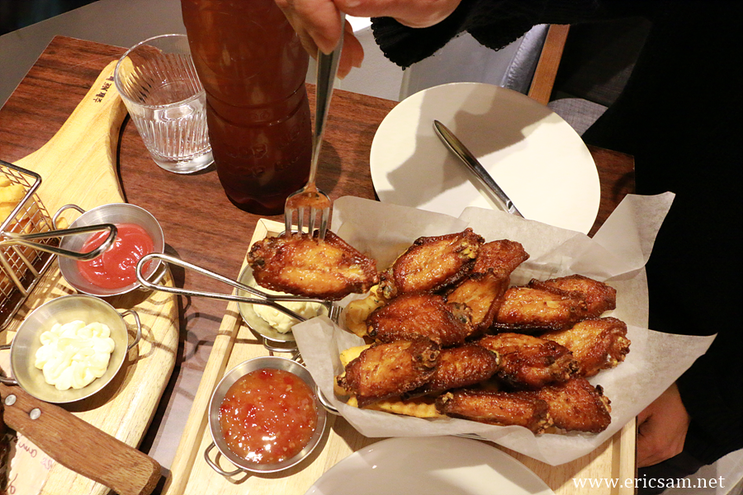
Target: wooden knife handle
[78,445]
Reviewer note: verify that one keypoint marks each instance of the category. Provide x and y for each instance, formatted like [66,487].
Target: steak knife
[461,151]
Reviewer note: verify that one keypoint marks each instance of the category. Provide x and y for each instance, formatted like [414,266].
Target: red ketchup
[116,267]
[268,416]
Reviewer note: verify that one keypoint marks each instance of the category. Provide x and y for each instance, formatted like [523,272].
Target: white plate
[531,152]
[429,466]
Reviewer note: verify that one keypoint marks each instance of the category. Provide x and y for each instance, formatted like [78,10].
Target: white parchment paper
[616,254]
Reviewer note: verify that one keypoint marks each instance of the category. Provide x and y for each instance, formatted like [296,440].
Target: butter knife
[461,151]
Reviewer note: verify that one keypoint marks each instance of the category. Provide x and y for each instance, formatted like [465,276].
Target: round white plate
[429,466]
[531,152]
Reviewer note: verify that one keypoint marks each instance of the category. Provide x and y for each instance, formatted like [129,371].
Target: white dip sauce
[74,354]
[281,322]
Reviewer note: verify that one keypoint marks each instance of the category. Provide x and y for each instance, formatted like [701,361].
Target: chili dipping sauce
[268,416]
[116,267]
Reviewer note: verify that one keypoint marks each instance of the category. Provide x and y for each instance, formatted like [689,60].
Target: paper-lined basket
[616,254]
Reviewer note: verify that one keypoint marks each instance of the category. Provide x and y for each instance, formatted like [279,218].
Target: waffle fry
[359,310]
[417,408]
[352,353]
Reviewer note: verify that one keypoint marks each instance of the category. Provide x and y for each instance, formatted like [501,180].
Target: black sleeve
[494,23]
[679,116]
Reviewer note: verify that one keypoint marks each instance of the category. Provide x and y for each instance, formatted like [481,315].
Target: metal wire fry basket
[21,212]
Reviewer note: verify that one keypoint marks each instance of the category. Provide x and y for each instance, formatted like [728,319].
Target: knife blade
[460,150]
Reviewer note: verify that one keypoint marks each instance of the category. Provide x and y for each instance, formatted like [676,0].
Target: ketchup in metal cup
[268,416]
[116,267]
[253,67]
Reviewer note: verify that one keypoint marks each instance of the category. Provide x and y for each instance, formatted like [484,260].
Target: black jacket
[680,116]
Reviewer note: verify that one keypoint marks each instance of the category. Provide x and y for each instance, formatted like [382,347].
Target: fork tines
[307,220]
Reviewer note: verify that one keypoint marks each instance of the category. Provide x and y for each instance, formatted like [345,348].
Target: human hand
[317,22]
[662,428]
[318,25]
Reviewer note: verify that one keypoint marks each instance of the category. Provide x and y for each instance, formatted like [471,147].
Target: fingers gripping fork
[310,202]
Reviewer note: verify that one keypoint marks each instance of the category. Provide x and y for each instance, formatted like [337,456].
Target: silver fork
[309,202]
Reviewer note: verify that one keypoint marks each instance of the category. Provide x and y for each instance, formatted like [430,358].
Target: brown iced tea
[253,69]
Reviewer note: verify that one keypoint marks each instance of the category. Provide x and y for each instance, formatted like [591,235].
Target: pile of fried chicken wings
[448,336]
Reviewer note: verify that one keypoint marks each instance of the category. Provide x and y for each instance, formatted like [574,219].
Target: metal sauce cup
[218,395]
[64,310]
[115,213]
[273,340]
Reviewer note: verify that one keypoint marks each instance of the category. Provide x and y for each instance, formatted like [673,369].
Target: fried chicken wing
[576,405]
[529,362]
[498,408]
[432,263]
[547,308]
[389,370]
[596,344]
[459,367]
[303,265]
[483,293]
[599,296]
[501,256]
[420,314]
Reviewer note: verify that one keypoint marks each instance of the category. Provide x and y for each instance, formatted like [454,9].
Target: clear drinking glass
[165,99]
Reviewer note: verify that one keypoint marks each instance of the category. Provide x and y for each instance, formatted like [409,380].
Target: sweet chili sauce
[268,416]
[116,267]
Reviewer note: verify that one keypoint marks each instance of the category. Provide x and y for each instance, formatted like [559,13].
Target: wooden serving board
[235,343]
[78,166]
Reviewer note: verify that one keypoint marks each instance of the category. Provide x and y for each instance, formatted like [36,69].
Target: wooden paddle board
[78,166]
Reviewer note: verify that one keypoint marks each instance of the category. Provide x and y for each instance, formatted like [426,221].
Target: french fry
[418,408]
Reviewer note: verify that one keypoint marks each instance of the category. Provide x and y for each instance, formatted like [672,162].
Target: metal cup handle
[325,403]
[215,466]
[294,350]
[138,337]
[6,379]
[62,209]
[321,398]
